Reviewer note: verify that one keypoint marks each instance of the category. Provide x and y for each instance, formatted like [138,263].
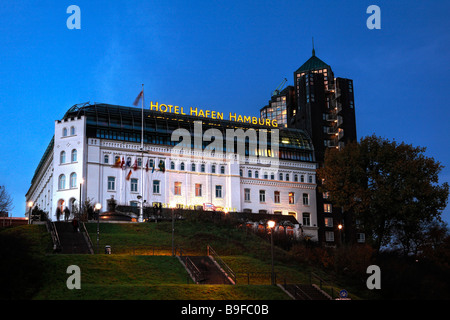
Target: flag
[117,163]
[135,166]
[161,166]
[153,167]
[138,98]
[146,166]
[128,164]
[128,175]
[122,163]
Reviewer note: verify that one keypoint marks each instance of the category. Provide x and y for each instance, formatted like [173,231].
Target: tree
[5,201]
[391,188]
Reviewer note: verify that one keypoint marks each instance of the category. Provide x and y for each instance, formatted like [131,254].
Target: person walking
[58,213]
[66,214]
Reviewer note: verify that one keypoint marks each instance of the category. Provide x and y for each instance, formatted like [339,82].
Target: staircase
[210,272]
[306,292]
[71,242]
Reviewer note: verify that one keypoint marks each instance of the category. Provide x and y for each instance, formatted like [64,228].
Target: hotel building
[95,154]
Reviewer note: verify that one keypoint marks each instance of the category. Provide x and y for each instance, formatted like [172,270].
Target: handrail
[321,281]
[296,287]
[54,234]
[197,274]
[224,266]
[83,229]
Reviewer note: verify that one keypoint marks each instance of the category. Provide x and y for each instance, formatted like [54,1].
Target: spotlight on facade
[271,224]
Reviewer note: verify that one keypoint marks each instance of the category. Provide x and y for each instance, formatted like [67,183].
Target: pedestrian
[75,224]
[66,214]
[58,213]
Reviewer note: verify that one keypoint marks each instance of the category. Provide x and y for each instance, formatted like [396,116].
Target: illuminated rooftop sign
[212,114]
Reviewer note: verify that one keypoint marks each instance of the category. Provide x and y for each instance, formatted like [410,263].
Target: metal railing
[88,238]
[55,237]
[230,273]
[196,273]
[322,284]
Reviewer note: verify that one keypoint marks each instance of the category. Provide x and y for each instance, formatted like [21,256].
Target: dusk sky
[218,55]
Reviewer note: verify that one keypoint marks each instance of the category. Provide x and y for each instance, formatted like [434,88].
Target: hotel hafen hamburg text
[96,154]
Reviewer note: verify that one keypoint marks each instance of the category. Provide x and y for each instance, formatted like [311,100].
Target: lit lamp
[271,225]
[340,227]
[98,207]
[30,205]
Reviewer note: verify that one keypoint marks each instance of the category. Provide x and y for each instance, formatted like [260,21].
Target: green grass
[141,266]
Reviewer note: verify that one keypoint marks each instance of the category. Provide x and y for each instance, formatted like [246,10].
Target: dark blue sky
[218,55]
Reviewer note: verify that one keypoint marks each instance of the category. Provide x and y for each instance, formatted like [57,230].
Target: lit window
[327,207]
[177,189]
[328,222]
[198,190]
[291,198]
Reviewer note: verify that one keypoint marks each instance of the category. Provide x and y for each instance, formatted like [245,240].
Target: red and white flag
[138,98]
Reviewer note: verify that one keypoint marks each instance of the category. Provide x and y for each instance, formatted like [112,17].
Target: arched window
[266,176]
[213,168]
[73,180]
[72,131]
[74,155]
[202,167]
[222,169]
[64,132]
[256,174]
[172,165]
[182,166]
[62,157]
[249,173]
[193,167]
[62,182]
[280,176]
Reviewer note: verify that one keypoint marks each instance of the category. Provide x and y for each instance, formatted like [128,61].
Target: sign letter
[74,281]
[374,21]
[374,281]
[74,21]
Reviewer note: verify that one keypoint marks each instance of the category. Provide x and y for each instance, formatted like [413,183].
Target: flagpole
[141,213]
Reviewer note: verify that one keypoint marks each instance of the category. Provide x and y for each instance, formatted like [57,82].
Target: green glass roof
[313,63]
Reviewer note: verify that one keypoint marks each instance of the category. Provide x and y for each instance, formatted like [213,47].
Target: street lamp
[30,205]
[271,225]
[340,227]
[81,183]
[172,207]
[98,207]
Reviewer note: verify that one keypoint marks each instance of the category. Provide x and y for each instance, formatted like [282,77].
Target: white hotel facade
[80,162]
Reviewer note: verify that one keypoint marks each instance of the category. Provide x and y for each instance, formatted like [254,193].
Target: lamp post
[271,225]
[81,183]
[340,227]
[172,207]
[98,207]
[30,205]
